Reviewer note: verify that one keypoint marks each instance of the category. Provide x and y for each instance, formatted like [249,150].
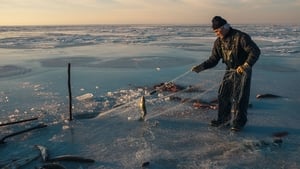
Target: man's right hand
[197,69]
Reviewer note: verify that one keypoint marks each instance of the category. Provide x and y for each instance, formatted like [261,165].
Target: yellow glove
[243,68]
[240,70]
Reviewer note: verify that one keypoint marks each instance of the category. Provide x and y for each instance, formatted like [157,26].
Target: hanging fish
[142,106]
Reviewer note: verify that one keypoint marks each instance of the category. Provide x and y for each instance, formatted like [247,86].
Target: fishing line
[129,106]
[175,107]
[169,82]
[164,98]
[186,89]
[180,76]
[219,70]
[136,100]
[116,108]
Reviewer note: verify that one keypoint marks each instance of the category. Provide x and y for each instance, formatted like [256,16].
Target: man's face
[220,32]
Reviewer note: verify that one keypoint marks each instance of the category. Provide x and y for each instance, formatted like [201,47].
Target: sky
[73,12]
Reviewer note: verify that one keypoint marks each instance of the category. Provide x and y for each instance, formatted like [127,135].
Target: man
[239,52]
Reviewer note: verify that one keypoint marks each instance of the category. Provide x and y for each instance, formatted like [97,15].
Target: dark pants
[234,95]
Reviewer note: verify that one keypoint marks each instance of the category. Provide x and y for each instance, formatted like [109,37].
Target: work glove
[197,69]
[243,68]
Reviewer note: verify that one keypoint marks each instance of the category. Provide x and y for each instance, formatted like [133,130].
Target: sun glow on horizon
[70,12]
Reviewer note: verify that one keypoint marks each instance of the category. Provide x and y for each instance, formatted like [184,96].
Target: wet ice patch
[13,70]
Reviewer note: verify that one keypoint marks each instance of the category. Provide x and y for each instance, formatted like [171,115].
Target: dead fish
[277,137]
[73,158]
[204,105]
[167,87]
[143,110]
[52,166]
[44,152]
[175,98]
[267,96]
[280,134]
[146,164]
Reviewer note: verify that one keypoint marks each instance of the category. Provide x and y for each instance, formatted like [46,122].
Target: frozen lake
[118,64]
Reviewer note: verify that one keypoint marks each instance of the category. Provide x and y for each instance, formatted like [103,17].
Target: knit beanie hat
[217,22]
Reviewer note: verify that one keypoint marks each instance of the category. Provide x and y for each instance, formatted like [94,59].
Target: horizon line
[156,24]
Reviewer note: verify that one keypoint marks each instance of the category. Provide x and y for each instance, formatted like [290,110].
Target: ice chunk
[85,96]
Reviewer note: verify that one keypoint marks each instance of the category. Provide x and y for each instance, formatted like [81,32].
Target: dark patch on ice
[86,115]
[146,62]
[185,46]
[71,158]
[146,164]
[280,134]
[12,70]
[273,131]
[52,165]
[277,68]
[63,61]
[164,163]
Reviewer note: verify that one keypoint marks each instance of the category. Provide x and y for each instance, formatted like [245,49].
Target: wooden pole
[70,92]
[20,121]
[22,131]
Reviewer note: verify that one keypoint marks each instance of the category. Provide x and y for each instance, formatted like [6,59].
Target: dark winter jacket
[238,45]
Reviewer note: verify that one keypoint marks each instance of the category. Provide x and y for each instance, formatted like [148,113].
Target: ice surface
[118,64]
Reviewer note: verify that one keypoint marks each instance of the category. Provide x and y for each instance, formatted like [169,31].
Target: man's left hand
[240,69]
[243,68]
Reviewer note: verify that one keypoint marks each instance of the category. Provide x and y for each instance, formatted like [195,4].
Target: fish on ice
[143,110]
